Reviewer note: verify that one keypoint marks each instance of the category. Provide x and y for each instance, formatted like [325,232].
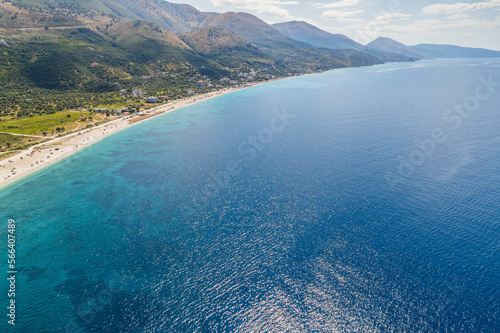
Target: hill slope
[390,45]
[225,47]
[307,33]
[312,35]
[273,42]
[89,59]
[152,11]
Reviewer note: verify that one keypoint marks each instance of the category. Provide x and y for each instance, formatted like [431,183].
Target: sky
[463,23]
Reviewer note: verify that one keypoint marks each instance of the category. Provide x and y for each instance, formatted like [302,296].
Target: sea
[356,200]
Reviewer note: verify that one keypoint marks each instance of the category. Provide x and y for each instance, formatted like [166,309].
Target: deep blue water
[368,205]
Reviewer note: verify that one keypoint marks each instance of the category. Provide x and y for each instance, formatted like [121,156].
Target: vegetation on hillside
[226,48]
[59,56]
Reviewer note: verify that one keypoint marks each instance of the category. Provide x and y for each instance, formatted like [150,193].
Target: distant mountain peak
[453,51]
[387,44]
[308,33]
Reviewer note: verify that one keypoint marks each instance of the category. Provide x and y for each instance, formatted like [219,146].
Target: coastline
[25,163]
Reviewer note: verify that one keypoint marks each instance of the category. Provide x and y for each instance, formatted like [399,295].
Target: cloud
[459,7]
[387,17]
[259,6]
[341,15]
[438,26]
[338,4]
[338,14]
[458,17]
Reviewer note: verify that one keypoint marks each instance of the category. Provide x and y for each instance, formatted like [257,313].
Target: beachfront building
[200,84]
[190,92]
[152,99]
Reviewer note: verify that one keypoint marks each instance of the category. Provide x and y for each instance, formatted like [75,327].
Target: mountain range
[426,51]
[308,33]
[130,38]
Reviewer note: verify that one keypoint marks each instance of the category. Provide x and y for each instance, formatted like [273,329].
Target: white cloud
[388,17]
[342,15]
[260,6]
[459,7]
[338,4]
[442,27]
[458,17]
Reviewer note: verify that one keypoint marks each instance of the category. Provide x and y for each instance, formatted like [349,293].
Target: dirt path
[29,136]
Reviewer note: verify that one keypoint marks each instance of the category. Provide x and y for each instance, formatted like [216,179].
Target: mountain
[426,51]
[282,47]
[12,16]
[225,47]
[161,49]
[130,32]
[185,18]
[452,51]
[154,11]
[307,33]
[390,45]
[190,15]
[88,59]
[312,35]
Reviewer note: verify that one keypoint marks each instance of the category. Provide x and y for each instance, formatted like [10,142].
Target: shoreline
[26,164]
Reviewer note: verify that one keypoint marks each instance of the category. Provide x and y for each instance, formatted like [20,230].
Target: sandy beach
[48,153]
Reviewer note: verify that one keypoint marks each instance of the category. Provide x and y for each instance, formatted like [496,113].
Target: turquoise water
[351,201]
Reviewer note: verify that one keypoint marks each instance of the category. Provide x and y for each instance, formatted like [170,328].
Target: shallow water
[326,203]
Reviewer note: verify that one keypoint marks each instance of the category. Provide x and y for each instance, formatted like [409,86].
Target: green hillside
[49,71]
[226,48]
[60,56]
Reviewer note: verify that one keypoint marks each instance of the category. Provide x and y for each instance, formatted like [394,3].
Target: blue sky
[464,23]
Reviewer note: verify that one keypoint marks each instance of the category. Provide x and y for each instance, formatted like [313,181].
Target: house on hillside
[190,92]
[200,84]
[137,92]
[152,99]
[2,42]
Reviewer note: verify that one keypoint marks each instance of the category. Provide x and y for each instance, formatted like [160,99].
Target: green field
[10,142]
[47,124]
